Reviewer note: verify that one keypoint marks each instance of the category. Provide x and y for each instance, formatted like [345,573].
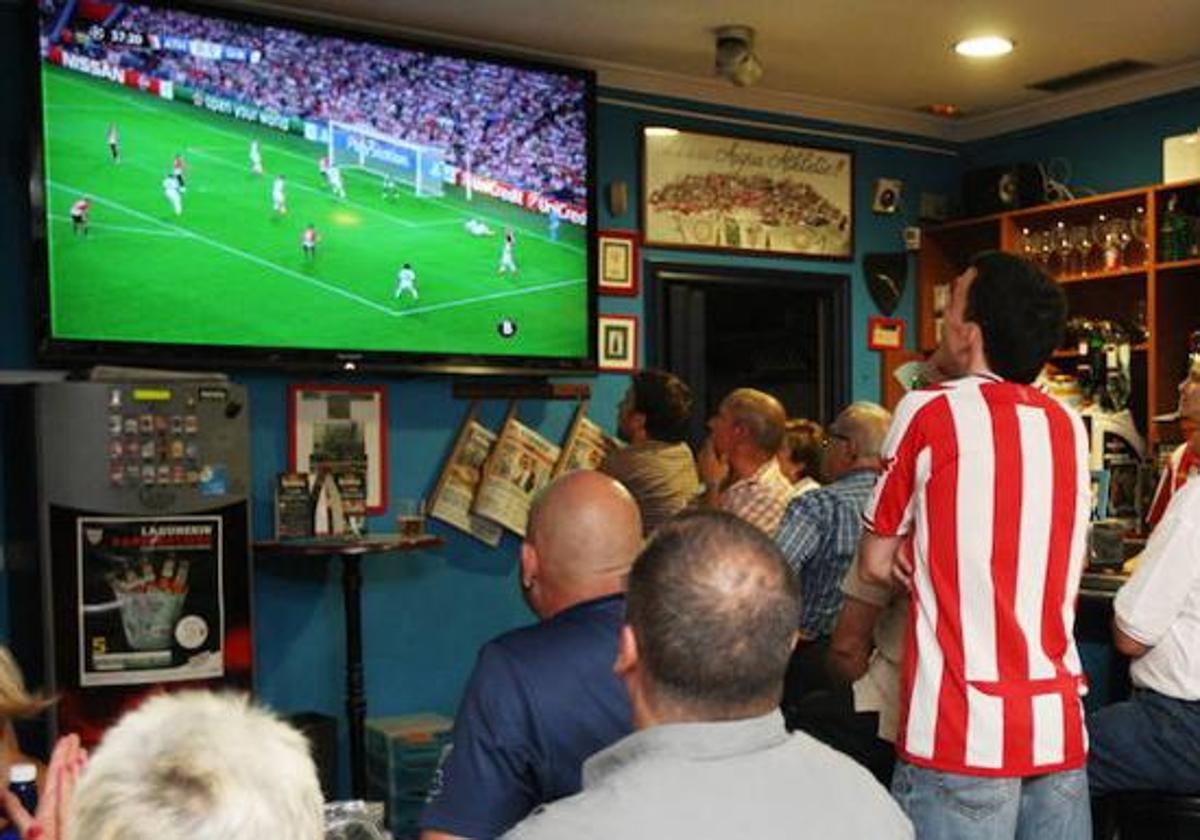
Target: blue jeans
[952,806]
[1151,742]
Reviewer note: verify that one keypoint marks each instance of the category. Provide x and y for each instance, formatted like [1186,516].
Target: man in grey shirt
[657,466]
[711,619]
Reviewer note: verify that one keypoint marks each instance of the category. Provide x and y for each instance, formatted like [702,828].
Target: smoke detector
[736,59]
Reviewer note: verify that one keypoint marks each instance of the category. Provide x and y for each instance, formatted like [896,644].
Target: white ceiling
[865,62]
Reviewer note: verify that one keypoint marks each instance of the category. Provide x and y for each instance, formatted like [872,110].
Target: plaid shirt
[759,498]
[818,536]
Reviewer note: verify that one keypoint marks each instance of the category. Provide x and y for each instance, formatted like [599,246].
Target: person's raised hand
[50,822]
[712,467]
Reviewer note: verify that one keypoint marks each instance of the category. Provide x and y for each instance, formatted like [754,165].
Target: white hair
[198,766]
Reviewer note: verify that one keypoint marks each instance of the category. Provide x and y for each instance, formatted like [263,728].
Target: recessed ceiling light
[660,131]
[985,46]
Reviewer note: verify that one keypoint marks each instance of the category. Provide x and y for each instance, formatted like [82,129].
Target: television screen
[226,188]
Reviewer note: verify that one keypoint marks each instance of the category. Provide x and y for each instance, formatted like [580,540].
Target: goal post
[362,147]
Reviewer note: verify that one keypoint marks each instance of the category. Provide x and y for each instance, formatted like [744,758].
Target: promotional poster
[151,607]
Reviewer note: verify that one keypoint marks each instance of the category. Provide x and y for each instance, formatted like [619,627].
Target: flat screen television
[217,188]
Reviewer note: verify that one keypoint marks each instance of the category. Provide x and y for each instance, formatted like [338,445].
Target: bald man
[543,698]
[738,462]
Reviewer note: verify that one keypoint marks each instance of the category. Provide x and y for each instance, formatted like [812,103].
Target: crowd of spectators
[518,126]
[776,202]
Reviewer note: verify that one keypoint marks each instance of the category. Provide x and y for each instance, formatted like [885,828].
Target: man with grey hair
[820,532]
[543,698]
[738,462]
[183,766]
[710,625]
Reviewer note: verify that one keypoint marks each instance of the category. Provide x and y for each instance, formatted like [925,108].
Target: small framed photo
[885,333]
[340,429]
[618,255]
[618,339]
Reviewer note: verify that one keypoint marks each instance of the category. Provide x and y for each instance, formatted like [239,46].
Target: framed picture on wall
[338,429]
[618,255]
[738,194]
[618,339]
[885,333]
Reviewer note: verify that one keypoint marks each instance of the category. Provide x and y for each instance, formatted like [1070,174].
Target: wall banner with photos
[731,193]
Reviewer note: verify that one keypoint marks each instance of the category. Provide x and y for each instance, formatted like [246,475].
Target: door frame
[834,287]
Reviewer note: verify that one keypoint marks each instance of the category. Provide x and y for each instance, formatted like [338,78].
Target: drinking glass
[1109,233]
[1028,245]
[410,517]
[1081,246]
[1137,250]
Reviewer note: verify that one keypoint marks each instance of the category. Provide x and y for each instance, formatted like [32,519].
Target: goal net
[359,147]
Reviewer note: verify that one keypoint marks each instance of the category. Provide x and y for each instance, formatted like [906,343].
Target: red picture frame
[618,271]
[367,406]
[885,333]
[617,343]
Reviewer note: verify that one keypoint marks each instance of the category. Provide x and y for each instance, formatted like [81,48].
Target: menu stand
[351,552]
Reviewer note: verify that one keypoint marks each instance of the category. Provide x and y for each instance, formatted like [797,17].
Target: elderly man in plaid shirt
[738,462]
[820,532]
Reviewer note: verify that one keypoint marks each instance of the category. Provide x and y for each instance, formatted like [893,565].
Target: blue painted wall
[1116,149]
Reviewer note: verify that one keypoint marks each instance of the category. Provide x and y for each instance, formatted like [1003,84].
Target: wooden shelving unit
[1168,291]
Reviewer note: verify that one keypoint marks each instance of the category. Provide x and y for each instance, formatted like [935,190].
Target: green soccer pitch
[230,271]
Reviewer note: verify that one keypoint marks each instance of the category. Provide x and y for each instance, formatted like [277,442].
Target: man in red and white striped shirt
[79,215]
[989,478]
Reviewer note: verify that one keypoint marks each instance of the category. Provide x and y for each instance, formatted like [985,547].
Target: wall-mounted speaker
[996,189]
[887,195]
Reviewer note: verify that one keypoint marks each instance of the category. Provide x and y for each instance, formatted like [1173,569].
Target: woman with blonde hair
[16,702]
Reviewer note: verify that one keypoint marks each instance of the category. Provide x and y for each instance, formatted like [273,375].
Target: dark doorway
[782,332]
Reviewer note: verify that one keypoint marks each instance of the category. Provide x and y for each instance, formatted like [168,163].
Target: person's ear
[529,565]
[638,420]
[973,335]
[627,652]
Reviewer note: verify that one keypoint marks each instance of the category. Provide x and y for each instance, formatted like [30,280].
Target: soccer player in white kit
[278,195]
[255,158]
[335,181]
[406,281]
[114,142]
[508,265]
[170,185]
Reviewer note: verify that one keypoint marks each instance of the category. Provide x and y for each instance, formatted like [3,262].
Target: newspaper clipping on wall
[586,446]
[459,482]
[522,463]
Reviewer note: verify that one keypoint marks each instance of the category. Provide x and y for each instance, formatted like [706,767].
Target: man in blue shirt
[820,532]
[543,698]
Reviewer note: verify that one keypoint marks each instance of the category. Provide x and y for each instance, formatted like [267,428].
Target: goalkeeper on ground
[477,228]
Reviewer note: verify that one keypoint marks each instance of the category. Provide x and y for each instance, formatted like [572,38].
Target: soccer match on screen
[218,182]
